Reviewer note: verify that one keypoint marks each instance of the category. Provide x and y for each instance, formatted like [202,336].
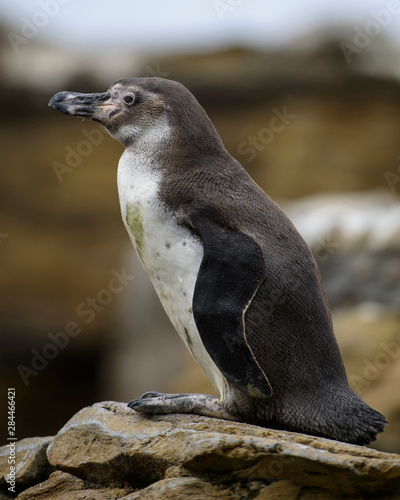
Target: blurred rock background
[315,121]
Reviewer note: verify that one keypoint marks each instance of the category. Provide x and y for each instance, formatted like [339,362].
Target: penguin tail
[352,420]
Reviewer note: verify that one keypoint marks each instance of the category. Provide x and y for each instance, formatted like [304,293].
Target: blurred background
[305,95]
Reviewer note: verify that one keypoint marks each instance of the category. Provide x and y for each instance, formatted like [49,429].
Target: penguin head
[133,108]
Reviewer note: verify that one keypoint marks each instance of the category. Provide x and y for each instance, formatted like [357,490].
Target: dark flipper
[230,274]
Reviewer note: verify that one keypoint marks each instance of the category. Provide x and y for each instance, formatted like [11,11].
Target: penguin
[236,279]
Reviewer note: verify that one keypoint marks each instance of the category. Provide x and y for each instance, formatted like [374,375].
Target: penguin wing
[230,274]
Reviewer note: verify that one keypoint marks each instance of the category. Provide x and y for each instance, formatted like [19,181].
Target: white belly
[169,253]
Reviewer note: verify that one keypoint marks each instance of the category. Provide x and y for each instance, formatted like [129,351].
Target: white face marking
[126,131]
[153,134]
[170,254]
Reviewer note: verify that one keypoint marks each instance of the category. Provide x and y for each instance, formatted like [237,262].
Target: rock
[182,488]
[64,486]
[107,451]
[30,462]
[355,238]
[342,222]
[108,442]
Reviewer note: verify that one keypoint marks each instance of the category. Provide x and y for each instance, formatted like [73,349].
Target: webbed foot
[199,404]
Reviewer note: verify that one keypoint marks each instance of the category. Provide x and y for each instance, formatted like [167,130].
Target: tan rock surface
[63,486]
[109,442]
[31,465]
[181,488]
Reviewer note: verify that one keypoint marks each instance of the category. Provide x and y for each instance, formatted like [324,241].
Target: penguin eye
[129,99]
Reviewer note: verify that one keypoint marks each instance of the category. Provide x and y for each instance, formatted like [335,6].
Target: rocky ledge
[107,451]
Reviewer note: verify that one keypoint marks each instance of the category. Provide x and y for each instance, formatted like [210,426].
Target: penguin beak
[86,105]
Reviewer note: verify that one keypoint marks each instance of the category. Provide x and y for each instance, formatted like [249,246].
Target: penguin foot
[199,404]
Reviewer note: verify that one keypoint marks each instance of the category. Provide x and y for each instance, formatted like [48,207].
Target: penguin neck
[165,148]
[133,137]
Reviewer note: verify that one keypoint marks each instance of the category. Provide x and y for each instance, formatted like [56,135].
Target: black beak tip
[57,102]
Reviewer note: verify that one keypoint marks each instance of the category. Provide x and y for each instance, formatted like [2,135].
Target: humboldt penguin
[236,279]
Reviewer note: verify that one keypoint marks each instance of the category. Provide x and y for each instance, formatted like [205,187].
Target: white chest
[169,253]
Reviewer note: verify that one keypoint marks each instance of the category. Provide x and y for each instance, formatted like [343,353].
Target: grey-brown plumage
[237,280]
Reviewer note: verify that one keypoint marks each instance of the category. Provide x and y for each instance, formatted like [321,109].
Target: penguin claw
[152,402]
[150,394]
[158,402]
[134,403]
